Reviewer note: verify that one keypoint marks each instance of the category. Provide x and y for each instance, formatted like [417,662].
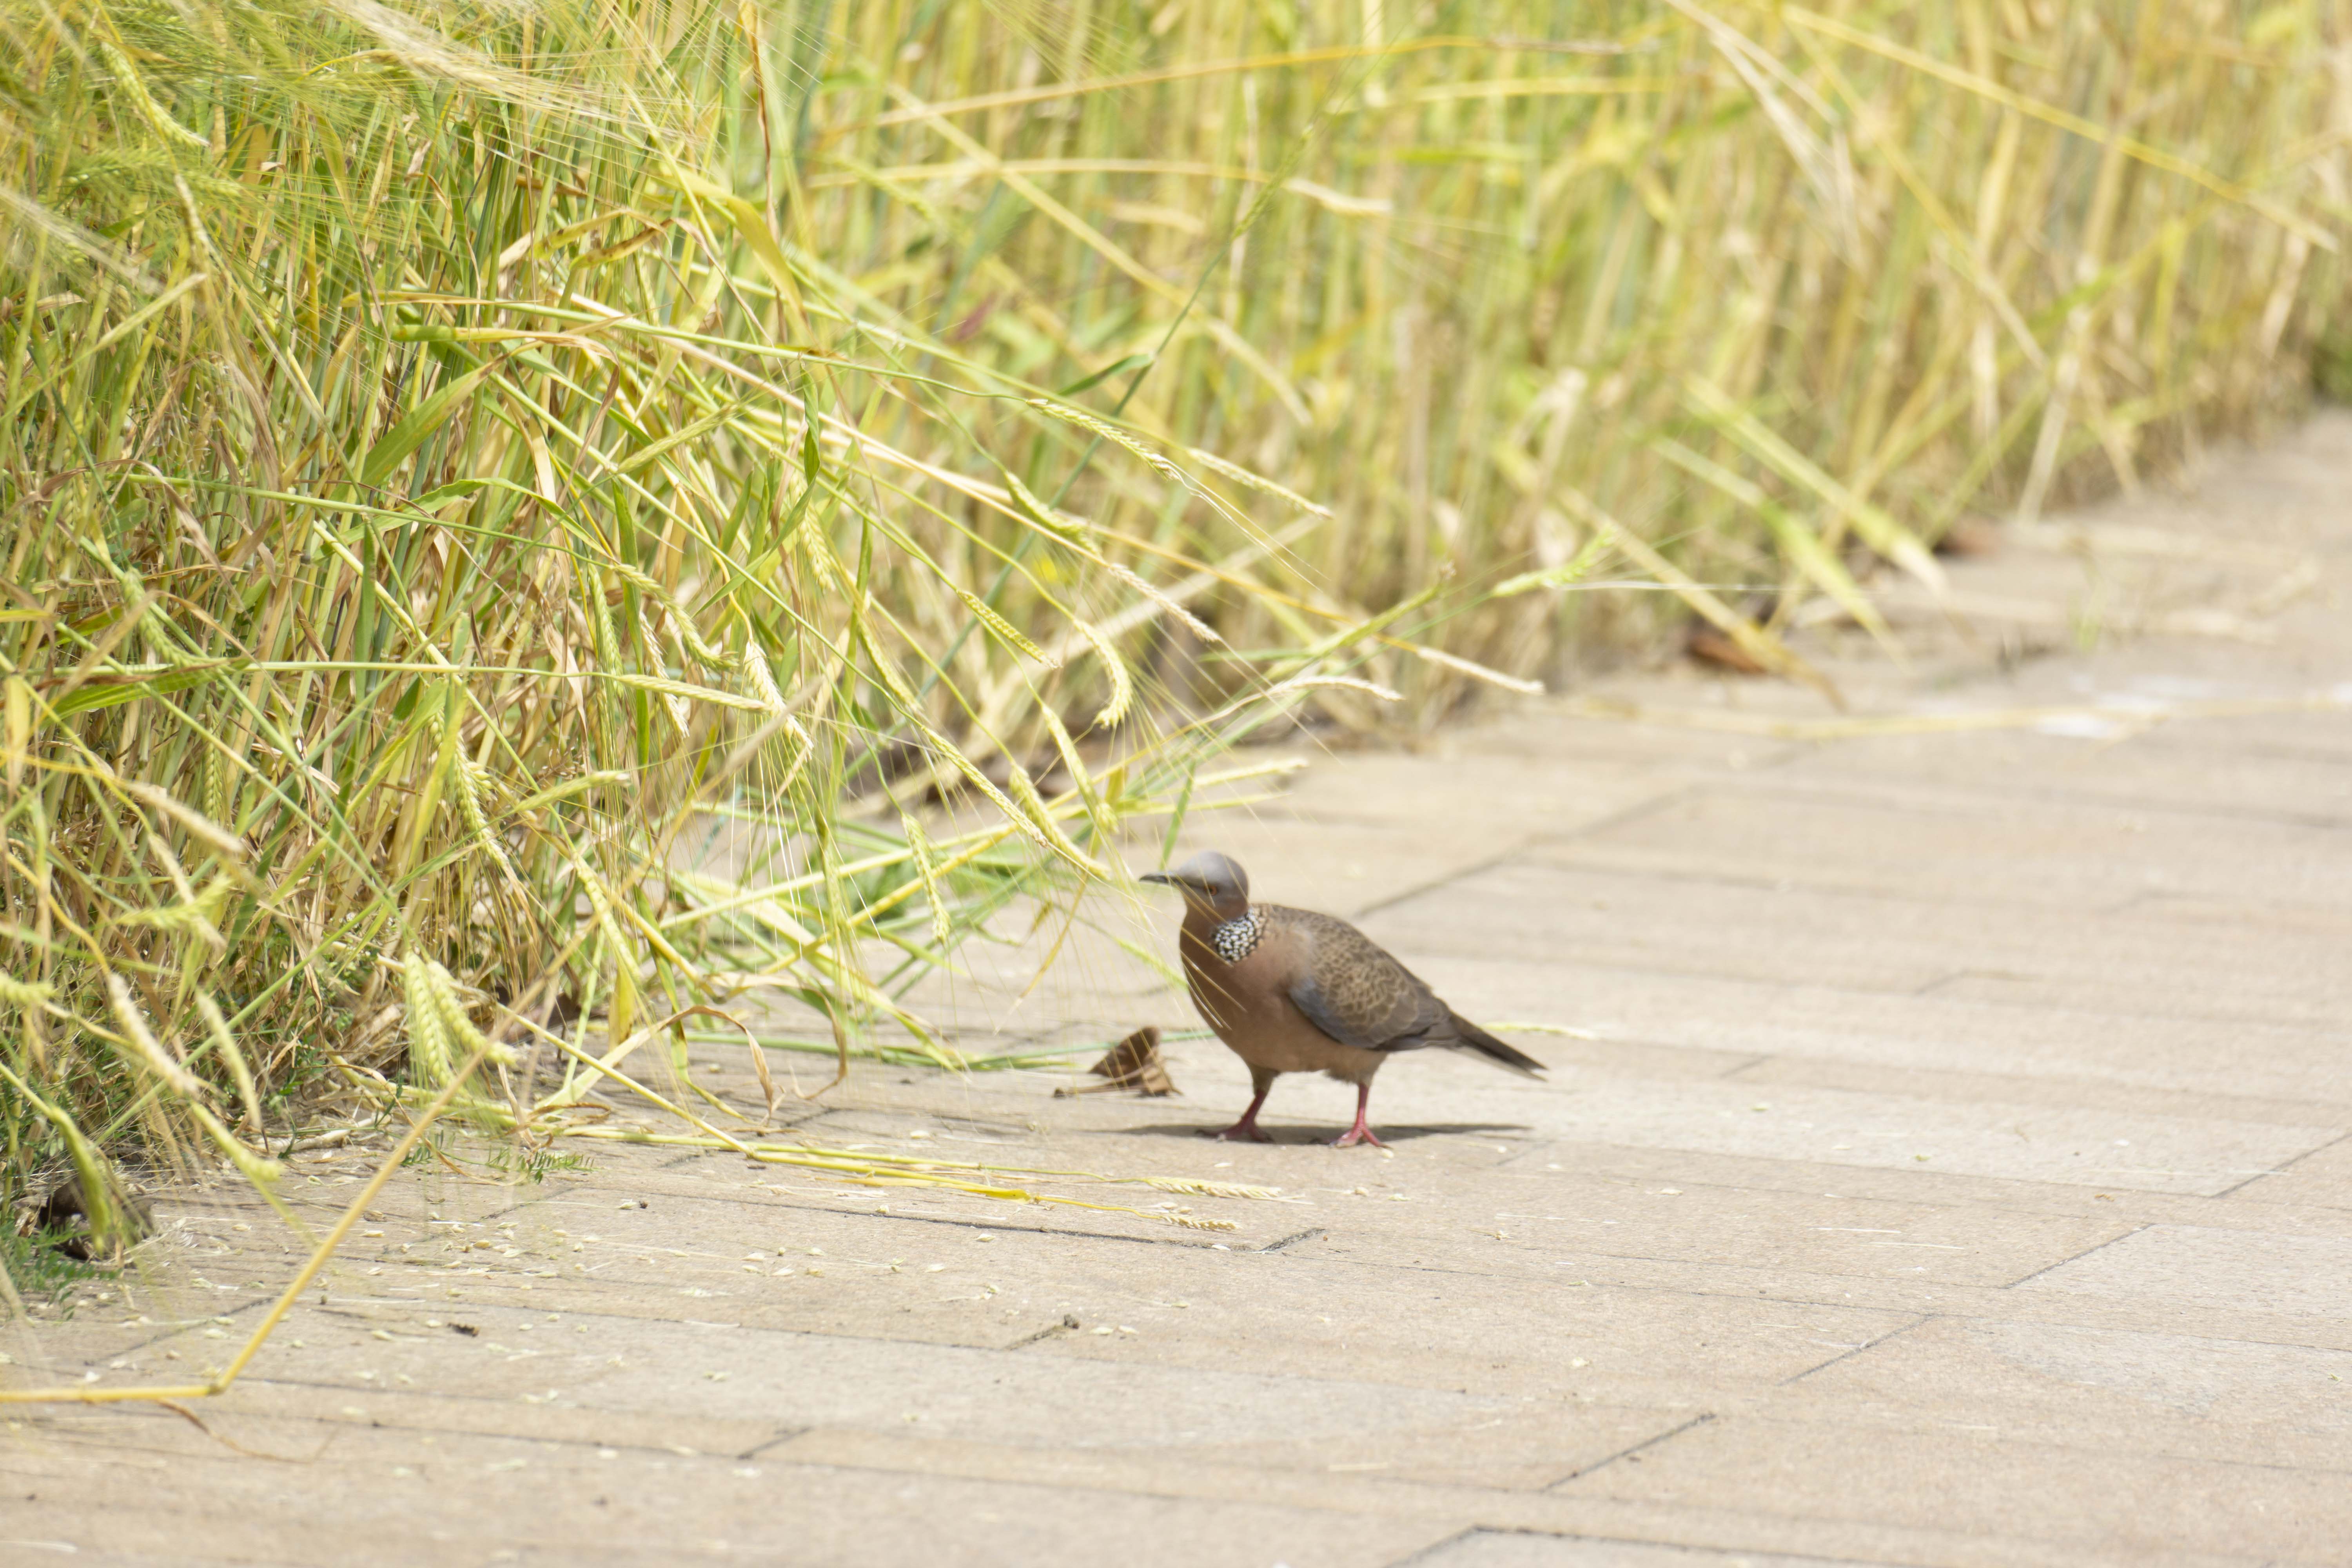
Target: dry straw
[1872,266]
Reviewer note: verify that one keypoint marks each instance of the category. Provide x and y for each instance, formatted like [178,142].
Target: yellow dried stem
[147,1051]
[1122,684]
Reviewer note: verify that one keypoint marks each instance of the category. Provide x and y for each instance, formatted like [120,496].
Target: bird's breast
[1246,1003]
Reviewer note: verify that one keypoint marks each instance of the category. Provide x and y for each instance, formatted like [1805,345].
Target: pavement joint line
[2045,1199]
[1761,882]
[1750,977]
[1755,1062]
[2063,1445]
[1779,755]
[2159,904]
[955,1347]
[1953,976]
[777,1199]
[1738,977]
[1426,1553]
[1853,792]
[2123,908]
[2191,1209]
[1701,1419]
[756,1449]
[997,1226]
[394,1397]
[1844,988]
[1520,846]
[2284,1167]
[1742,1294]
[313,1417]
[1067,1325]
[1310,1234]
[1733,1555]
[2126,1235]
[1402,1499]
[2080,1090]
[2163,1015]
[1705,1295]
[1866,1345]
[2189,1214]
[2268,749]
[172,1330]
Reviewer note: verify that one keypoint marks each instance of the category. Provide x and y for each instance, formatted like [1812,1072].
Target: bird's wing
[1355,993]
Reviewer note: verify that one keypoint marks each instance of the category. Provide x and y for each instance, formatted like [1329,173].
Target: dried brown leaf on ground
[1134,1063]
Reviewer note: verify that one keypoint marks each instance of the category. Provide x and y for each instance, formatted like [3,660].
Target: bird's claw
[1240,1131]
[1355,1135]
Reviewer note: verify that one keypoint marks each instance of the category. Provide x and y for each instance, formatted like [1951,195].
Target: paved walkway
[1949,1166]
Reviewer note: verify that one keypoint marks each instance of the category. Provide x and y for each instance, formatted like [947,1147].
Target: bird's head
[1211,882]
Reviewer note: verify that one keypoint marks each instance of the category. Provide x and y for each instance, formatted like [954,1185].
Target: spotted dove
[1291,991]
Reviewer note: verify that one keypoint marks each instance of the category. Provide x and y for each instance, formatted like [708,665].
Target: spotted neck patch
[1236,937]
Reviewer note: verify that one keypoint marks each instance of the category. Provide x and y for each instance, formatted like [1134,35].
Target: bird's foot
[1355,1135]
[1241,1131]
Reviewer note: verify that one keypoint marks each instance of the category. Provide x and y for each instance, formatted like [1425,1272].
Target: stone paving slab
[1979,845]
[1519,1549]
[2137,1057]
[2143,1393]
[1946,1163]
[2199,769]
[2092,1498]
[2323,1178]
[1535,912]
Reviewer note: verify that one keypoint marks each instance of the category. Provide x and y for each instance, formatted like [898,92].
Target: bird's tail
[1468,1036]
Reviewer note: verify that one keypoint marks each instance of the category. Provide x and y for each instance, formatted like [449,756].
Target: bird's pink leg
[1247,1126]
[1359,1134]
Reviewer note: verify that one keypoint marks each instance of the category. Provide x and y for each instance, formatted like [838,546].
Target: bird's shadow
[1389,1133]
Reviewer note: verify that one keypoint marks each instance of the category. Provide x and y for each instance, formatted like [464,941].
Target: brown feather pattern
[1316,994]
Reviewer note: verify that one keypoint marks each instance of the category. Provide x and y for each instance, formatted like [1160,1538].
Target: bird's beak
[1162,878]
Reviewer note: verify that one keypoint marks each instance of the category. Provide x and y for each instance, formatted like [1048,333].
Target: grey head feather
[1212,882]
[1219,876]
